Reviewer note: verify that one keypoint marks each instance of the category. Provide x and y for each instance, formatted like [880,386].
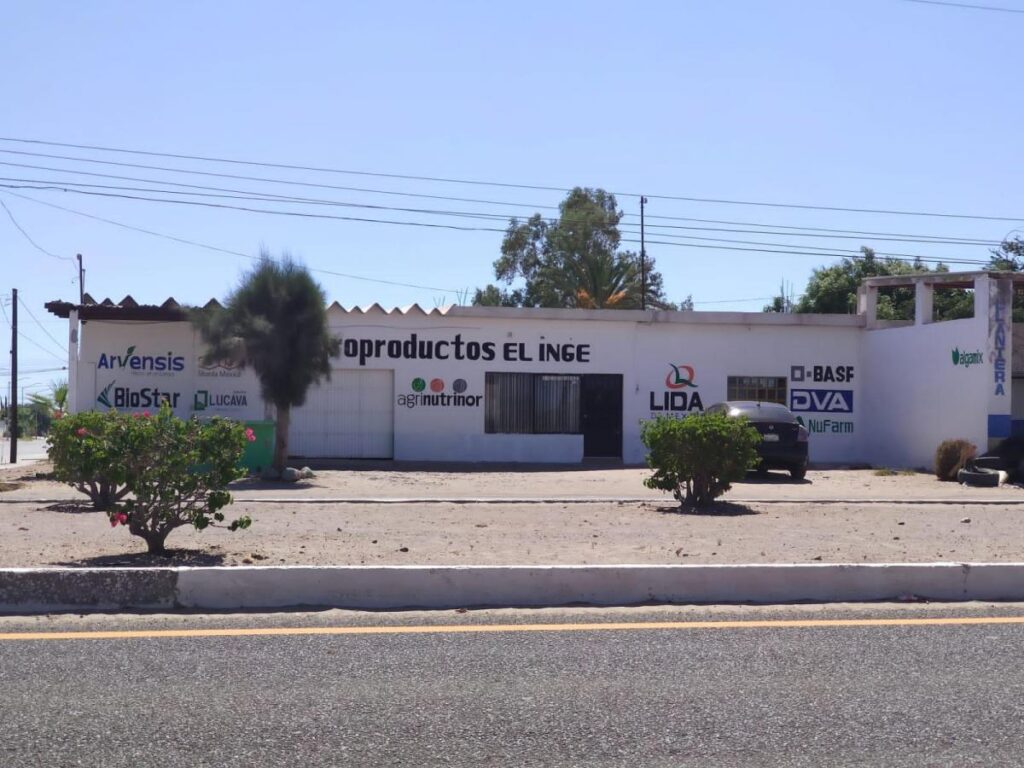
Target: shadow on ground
[70,508]
[771,478]
[718,509]
[460,468]
[173,559]
[258,484]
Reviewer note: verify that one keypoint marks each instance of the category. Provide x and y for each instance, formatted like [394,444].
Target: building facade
[483,384]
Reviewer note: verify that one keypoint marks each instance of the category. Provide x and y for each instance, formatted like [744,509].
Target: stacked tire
[982,472]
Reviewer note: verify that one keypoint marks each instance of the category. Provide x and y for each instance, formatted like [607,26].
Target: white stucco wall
[917,397]
[163,364]
[641,352]
[713,346]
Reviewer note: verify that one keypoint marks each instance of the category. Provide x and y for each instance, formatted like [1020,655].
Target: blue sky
[880,104]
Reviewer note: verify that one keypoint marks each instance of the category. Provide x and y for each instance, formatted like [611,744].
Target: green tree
[276,322]
[573,261]
[782,303]
[833,290]
[1009,257]
[43,408]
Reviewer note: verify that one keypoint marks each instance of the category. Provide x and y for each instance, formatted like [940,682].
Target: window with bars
[532,403]
[765,389]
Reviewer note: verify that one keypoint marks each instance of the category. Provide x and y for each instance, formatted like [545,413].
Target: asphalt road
[771,695]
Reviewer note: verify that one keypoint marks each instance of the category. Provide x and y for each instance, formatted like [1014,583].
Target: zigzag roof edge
[411,309]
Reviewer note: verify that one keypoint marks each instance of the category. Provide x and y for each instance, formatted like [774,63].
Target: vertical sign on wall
[1000,311]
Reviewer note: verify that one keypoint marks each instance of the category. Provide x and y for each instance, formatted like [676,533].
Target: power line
[208,247]
[859,232]
[300,214]
[293,182]
[31,314]
[23,337]
[35,245]
[822,253]
[735,301]
[235,176]
[970,6]
[7,371]
[782,248]
[476,182]
[270,197]
[245,255]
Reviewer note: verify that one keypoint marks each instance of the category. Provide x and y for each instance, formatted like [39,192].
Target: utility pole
[81,281]
[12,412]
[643,257]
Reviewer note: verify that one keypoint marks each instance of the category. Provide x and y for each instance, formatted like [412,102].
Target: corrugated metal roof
[171,311]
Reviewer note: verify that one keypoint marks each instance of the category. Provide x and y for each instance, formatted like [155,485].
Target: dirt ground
[834,516]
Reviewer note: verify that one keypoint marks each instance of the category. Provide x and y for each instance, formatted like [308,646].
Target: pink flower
[120,518]
[250,435]
[136,415]
[145,414]
[82,432]
[113,522]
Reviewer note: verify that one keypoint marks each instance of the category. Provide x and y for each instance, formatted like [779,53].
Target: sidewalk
[398,482]
[322,548]
[30,451]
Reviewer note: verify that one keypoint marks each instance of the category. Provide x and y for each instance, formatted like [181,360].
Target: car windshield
[761,411]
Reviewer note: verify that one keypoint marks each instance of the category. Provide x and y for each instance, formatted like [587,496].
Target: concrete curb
[41,590]
[512,500]
[38,590]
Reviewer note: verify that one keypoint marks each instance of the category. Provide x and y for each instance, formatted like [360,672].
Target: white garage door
[352,416]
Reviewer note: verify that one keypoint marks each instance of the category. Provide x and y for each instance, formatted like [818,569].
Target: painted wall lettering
[457,348]
[821,400]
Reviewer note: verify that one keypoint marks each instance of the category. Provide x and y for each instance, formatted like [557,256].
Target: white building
[487,384]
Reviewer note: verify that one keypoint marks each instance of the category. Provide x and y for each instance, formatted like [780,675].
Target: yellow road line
[483,628]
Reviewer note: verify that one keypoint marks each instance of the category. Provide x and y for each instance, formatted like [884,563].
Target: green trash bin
[259,454]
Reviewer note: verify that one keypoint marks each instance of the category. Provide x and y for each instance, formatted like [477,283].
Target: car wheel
[798,473]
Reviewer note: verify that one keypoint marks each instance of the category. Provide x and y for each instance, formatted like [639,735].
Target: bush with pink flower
[81,452]
[151,473]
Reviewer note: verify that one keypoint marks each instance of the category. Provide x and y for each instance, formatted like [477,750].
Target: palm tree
[276,322]
[601,281]
[47,407]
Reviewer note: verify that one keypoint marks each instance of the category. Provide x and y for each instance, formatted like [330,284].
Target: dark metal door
[602,415]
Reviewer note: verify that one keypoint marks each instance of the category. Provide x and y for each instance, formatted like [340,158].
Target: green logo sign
[967,359]
[418,384]
[104,398]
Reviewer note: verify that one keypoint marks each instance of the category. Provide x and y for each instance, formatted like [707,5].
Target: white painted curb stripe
[452,587]
[539,500]
[392,587]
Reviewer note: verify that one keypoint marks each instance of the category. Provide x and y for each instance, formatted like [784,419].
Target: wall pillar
[868,305]
[981,288]
[72,404]
[995,297]
[924,297]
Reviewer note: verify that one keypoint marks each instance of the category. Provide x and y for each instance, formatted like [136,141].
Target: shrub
[79,446]
[699,456]
[951,456]
[168,471]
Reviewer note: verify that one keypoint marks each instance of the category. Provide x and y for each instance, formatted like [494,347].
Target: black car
[783,438]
